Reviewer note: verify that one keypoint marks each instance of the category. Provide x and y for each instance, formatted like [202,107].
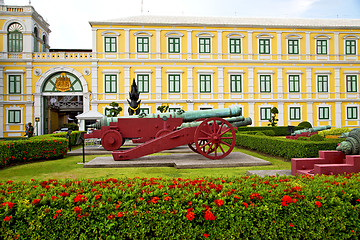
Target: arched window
[44,44]
[62,82]
[36,40]
[15,38]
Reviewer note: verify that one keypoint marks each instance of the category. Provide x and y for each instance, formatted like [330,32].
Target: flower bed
[320,207]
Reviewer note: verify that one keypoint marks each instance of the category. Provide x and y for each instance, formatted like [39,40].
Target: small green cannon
[307,132]
[351,145]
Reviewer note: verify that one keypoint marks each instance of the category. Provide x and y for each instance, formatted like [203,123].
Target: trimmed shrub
[269,132]
[260,133]
[316,137]
[303,139]
[286,148]
[279,131]
[246,207]
[334,131]
[73,126]
[305,124]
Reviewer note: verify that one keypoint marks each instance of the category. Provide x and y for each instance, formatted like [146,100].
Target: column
[28,82]
[220,44]
[336,47]
[37,111]
[189,47]
[250,43]
[190,83]
[308,46]
[281,114]
[94,50]
[158,47]
[337,82]
[279,45]
[94,80]
[338,114]
[221,82]
[251,82]
[308,82]
[127,43]
[158,82]
[280,82]
[252,112]
[309,112]
[127,80]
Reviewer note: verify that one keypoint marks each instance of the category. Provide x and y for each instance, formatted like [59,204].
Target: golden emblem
[63,83]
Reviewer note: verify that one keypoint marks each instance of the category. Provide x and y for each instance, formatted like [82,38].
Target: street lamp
[37,120]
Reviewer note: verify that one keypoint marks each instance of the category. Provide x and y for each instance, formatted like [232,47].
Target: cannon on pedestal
[206,132]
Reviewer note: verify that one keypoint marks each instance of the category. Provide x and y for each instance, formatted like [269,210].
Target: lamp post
[37,120]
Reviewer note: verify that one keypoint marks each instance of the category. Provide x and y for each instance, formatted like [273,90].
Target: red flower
[80,198]
[206,235]
[358,200]
[54,197]
[209,215]
[189,214]
[287,200]
[58,211]
[98,197]
[110,216]
[318,197]
[318,204]
[167,198]
[7,218]
[219,202]
[291,225]
[36,201]
[154,200]
[78,209]
[10,204]
[245,204]
[119,214]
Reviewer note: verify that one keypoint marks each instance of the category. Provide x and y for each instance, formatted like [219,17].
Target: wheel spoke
[229,145]
[206,133]
[203,146]
[226,137]
[210,148]
[219,130]
[224,131]
[221,148]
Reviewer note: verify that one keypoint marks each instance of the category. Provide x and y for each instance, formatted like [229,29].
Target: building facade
[308,69]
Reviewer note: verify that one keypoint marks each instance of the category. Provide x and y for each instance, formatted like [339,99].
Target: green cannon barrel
[310,130]
[235,121]
[186,116]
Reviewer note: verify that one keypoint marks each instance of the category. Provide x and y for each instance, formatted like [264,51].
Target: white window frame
[293,36]
[301,112]
[235,35]
[206,72]
[174,72]
[322,37]
[142,34]
[173,34]
[351,37]
[204,35]
[262,36]
[14,108]
[318,112]
[144,72]
[111,34]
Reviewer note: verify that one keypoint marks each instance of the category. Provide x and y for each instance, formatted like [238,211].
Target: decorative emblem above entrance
[63,83]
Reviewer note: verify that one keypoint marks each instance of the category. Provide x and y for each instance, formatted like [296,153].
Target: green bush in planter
[316,137]
[305,124]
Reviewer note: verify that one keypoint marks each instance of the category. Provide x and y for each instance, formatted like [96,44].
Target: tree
[114,110]
[163,108]
[273,121]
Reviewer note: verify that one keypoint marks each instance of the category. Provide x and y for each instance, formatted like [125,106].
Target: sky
[70,28]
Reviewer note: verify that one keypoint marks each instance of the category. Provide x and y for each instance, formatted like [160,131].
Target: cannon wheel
[112,140]
[209,138]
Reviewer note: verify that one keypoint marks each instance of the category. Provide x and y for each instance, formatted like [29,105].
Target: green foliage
[269,132]
[303,139]
[114,109]
[316,137]
[334,131]
[279,131]
[286,148]
[273,121]
[44,147]
[305,124]
[163,108]
[246,207]
[72,126]
[260,133]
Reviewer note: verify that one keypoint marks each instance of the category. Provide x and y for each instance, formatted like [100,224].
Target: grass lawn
[68,168]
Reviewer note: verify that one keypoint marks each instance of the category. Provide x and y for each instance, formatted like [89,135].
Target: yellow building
[308,69]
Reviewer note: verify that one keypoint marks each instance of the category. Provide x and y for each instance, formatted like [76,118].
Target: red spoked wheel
[210,135]
[112,140]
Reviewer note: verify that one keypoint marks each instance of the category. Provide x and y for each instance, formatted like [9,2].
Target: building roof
[232,22]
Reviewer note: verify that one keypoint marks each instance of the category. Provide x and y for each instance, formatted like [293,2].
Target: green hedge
[44,147]
[286,148]
[320,207]
[279,131]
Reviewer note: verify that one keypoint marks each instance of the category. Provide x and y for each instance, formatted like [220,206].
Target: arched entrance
[61,94]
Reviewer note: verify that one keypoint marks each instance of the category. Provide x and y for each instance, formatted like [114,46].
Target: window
[107,112]
[295,113]
[324,113]
[293,46]
[14,116]
[44,44]
[294,83]
[321,46]
[235,83]
[264,46]
[351,83]
[204,45]
[265,83]
[110,44]
[110,83]
[143,83]
[350,46]
[205,83]
[323,83]
[235,45]
[265,113]
[144,110]
[174,45]
[352,112]
[36,40]
[174,109]
[142,44]
[14,84]
[15,38]
[174,83]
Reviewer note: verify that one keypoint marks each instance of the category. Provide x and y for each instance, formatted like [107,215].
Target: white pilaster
[158,82]
[338,123]
[190,83]
[336,45]
[251,82]
[280,107]
[221,82]
[86,102]
[308,82]
[189,48]
[309,112]
[190,106]
[127,43]
[220,44]
[307,40]
[37,111]
[279,45]
[29,113]
[1,84]
[252,112]
[28,82]
[158,47]
[337,82]
[127,80]
[94,42]
[250,43]
[94,79]
[279,82]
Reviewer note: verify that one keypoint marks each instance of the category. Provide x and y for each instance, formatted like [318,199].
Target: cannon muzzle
[310,130]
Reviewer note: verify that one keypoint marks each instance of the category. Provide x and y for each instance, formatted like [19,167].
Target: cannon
[351,145]
[307,132]
[206,132]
